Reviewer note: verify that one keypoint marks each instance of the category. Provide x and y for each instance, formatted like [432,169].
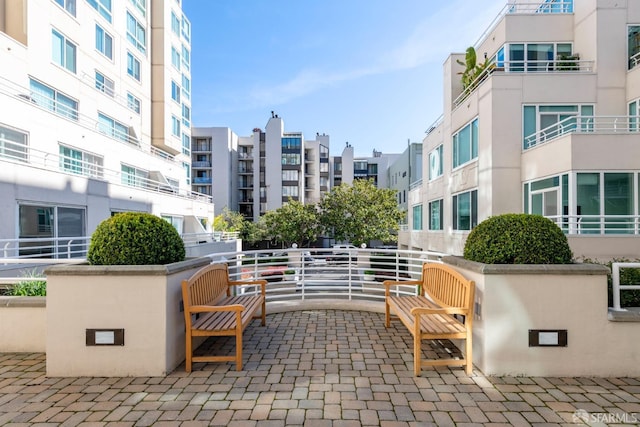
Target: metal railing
[43,248]
[597,224]
[305,274]
[527,66]
[616,286]
[584,124]
[511,8]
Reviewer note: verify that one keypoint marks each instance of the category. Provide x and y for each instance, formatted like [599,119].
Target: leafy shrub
[134,238]
[517,239]
[628,276]
[30,288]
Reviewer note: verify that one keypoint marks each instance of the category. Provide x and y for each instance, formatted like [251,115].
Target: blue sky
[367,72]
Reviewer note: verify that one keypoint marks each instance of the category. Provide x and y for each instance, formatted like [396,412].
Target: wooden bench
[442,293]
[211,309]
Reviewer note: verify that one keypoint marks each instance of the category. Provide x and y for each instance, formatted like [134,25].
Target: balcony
[202,180]
[201,164]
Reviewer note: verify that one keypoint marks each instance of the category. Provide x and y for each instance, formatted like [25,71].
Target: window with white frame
[133,176]
[103,7]
[136,33]
[633,45]
[435,163]
[105,84]
[435,215]
[114,128]
[175,91]
[68,5]
[133,66]
[81,162]
[541,123]
[417,218]
[186,144]
[289,191]
[175,58]
[187,170]
[176,221]
[290,175]
[634,115]
[186,115]
[186,87]
[175,24]
[133,102]
[53,100]
[186,58]
[175,126]
[14,144]
[63,51]
[465,144]
[465,210]
[186,28]
[141,5]
[104,42]
[536,56]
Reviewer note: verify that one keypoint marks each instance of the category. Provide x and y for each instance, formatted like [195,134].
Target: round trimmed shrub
[518,239]
[134,238]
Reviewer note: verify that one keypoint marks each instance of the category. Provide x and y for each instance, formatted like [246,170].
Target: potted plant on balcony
[130,289]
[368,275]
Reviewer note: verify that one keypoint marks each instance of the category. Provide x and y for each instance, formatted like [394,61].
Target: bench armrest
[416,311]
[213,308]
[389,283]
[261,282]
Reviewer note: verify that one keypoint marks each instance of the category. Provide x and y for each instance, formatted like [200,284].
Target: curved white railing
[617,287]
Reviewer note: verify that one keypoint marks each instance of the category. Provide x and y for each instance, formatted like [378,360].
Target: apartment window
[435,215]
[536,56]
[103,7]
[113,128]
[68,5]
[543,122]
[141,5]
[133,177]
[133,66]
[633,45]
[186,28]
[435,163]
[136,34]
[49,98]
[465,210]
[63,51]
[292,159]
[105,84]
[175,24]
[133,103]
[417,218]
[176,221]
[291,143]
[80,162]
[186,58]
[324,167]
[175,58]
[175,91]
[289,191]
[465,144]
[104,42]
[51,221]
[187,171]
[14,144]
[290,175]
[186,144]
[186,115]
[175,126]
[186,87]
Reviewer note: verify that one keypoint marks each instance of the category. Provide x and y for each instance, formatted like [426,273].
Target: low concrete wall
[513,299]
[23,324]
[145,301]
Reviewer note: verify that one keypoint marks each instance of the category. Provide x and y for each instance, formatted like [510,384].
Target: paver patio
[314,368]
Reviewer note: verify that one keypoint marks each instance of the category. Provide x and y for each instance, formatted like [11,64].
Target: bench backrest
[207,285]
[446,286]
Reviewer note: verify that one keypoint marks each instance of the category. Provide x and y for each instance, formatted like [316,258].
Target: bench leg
[188,352]
[467,356]
[238,348]
[387,314]
[417,354]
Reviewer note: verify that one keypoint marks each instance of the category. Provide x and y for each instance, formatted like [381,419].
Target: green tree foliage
[229,221]
[293,222]
[361,212]
[518,239]
[135,238]
[472,69]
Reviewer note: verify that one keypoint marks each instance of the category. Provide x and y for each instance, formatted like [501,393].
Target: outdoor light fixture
[101,337]
[547,337]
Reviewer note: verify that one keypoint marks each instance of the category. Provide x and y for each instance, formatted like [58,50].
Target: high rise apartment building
[550,128]
[258,173]
[95,98]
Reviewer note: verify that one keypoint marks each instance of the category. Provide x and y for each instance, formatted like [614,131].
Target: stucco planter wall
[145,301]
[513,299]
[23,324]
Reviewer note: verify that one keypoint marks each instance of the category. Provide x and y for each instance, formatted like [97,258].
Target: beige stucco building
[551,127]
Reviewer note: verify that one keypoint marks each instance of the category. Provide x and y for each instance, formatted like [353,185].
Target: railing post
[615,280]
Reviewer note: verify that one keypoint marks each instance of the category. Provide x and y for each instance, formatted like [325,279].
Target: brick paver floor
[315,368]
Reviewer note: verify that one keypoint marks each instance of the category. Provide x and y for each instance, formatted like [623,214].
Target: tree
[293,222]
[229,221]
[473,70]
[361,213]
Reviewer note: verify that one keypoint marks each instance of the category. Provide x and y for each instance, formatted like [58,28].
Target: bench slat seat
[211,310]
[442,296]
